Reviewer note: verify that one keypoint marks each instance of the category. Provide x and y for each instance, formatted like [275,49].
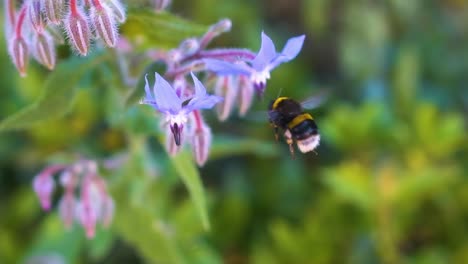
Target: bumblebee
[298,126]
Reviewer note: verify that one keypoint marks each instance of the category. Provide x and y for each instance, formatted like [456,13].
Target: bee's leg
[275,128]
[289,141]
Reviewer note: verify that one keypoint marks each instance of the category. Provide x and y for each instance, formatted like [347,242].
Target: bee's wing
[258,116]
[315,100]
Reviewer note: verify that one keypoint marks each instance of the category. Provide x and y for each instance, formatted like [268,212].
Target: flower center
[260,78]
[180,118]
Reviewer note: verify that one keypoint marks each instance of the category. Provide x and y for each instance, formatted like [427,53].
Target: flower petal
[165,96]
[290,51]
[148,95]
[226,68]
[266,53]
[205,102]
[200,90]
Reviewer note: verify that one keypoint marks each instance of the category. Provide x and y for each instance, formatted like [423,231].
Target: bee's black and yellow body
[299,126]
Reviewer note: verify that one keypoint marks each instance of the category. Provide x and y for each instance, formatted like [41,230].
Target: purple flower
[168,101]
[260,67]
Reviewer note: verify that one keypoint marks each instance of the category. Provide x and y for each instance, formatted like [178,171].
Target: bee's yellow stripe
[278,100]
[298,119]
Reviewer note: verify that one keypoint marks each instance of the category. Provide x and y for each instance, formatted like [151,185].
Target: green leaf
[101,244]
[186,168]
[138,218]
[158,30]
[224,146]
[151,236]
[53,240]
[58,93]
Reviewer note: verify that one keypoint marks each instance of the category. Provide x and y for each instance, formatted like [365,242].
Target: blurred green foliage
[388,184]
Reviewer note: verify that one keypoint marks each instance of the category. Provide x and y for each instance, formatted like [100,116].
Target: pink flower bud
[117,9]
[201,140]
[10,17]
[107,210]
[160,5]
[44,49]
[224,25]
[67,208]
[18,50]
[43,185]
[215,30]
[225,87]
[68,179]
[87,217]
[77,28]
[91,166]
[179,85]
[189,46]
[103,20]
[88,208]
[246,95]
[35,15]
[54,10]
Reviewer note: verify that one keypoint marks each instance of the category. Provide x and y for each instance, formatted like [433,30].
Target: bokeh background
[388,185]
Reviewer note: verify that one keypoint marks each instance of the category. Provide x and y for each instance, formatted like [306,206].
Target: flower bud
[78,31]
[54,10]
[19,54]
[68,179]
[160,5]
[87,3]
[10,17]
[91,166]
[215,30]
[43,185]
[117,9]
[189,46]
[201,142]
[44,49]
[87,217]
[35,15]
[89,206]
[107,210]
[179,85]
[224,25]
[246,95]
[225,87]
[103,21]
[67,208]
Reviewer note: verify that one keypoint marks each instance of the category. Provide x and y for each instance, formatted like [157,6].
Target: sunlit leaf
[158,30]
[186,168]
[59,90]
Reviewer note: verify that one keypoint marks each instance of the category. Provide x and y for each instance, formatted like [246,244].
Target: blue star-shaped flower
[260,67]
[165,100]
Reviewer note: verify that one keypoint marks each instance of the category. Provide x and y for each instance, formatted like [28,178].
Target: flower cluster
[258,70]
[233,74]
[94,202]
[35,28]
[180,104]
